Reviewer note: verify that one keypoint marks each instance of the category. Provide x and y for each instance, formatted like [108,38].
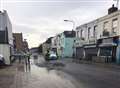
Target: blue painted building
[118,52]
[67,42]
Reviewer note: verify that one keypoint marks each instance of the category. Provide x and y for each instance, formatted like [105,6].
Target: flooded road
[64,74]
[40,75]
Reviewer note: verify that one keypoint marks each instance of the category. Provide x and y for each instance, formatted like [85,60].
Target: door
[114,54]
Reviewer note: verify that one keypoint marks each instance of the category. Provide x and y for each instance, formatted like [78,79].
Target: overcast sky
[40,19]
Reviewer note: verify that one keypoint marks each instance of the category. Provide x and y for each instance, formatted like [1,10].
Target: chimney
[112,9]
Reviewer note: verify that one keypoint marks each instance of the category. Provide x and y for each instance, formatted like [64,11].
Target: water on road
[40,75]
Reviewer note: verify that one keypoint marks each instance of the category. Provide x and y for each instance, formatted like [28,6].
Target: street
[61,74]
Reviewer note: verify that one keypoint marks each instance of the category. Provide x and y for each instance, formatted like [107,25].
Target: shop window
[106,51]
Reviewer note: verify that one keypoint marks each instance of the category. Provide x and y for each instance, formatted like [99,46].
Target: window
[89,32]
[81,33]
[77,34]
[106,26]
[114,25]
[106,51]
[95,31]
[106,29]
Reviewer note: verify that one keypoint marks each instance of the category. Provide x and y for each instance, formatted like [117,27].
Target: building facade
[25,46]
[67,43]
[46,46]
[6,38]
[86,39]
[18,42]
[63,44]
[56,45]
[100,38]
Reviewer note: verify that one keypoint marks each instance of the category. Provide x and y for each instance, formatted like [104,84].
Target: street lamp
[72,30]
[71,22]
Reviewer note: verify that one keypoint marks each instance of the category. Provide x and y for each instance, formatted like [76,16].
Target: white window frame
[105,26]
[95,31]
[114,25]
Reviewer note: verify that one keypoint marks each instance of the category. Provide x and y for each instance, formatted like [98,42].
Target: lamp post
[71,22]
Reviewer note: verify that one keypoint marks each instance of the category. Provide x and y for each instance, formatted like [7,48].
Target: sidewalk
[9,75]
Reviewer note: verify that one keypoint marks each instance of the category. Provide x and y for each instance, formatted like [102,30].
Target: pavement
[59,74]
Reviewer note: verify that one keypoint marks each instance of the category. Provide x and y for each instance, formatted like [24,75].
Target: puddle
[41,77]
[44,75]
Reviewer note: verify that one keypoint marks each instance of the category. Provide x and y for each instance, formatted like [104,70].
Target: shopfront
[90,51]
[79,53]
[108,49]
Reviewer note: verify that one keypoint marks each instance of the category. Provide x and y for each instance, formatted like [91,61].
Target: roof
[48,40]
[112,13]
[69,33]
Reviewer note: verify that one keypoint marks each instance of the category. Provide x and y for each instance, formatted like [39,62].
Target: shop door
[114,54]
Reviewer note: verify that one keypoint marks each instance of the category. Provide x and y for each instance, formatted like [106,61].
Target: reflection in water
[41,77]
[27,65]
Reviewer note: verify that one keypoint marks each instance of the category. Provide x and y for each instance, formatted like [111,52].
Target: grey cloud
[41,19]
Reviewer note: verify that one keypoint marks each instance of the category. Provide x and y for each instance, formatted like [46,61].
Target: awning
[90,46]
[107,44]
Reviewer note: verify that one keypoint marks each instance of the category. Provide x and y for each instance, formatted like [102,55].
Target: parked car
[2,61]
[53,56]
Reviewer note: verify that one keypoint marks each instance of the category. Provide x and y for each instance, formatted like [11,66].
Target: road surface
[65,74]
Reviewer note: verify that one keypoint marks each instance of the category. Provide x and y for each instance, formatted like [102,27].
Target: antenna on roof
[117,4]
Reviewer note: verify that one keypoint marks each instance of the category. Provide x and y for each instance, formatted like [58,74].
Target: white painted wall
[5,51]
[100,26]
[85,27]
[5,48]
[5,22]
[109,19]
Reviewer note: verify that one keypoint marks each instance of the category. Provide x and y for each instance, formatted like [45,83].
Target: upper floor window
[106,29]
[77,34]
[89,32]
[114,25]
[95,31]
[106,25]
[81,33]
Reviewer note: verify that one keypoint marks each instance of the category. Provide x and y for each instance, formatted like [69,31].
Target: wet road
[66,74]
[41,74]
